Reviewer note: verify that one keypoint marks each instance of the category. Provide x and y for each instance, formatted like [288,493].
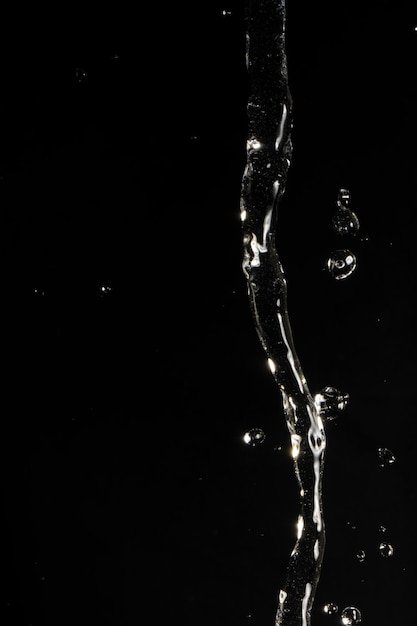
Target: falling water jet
[269,151]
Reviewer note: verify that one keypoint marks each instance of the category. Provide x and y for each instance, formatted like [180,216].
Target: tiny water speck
[351,616]
[341,264]
[386,457]
[360,555]
[385,549]
[330,608]
[80,75]
[105,290]
[254,437]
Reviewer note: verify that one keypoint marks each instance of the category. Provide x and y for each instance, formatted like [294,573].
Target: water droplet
[341,264]
[226,12]
[386,457]
[331,402]
[80,75]
[360,555]
[350,616]
[254,437]
[385,549]
[330,608]
[105,290]
[345,222]
[343,197]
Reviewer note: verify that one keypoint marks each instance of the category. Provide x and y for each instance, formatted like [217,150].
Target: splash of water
[269,151]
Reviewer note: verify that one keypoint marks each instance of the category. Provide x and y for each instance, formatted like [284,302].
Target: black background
[131,367]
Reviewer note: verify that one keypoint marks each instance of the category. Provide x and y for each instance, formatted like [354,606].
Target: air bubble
[331,402]
[330,608]
[351,616]
[386,457]
[385,549]
[341,264]
[254,437]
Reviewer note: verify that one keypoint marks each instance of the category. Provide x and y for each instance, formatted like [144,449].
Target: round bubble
[345,222]
[351,616]
[254,437]
[330,608]
[385,549]
[386,457]
[341,264]
[360,555]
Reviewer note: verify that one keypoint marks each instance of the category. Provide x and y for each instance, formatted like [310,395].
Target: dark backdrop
[131,367]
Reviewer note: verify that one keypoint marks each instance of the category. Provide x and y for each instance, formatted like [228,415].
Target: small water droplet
[351,616]
[331,402]
[254,437]
[345,222]
[226,12]
[341,264]
[330,608]
[360,555]
[80,75]
[385,549]
[105,290]
[343,197]
[386,457]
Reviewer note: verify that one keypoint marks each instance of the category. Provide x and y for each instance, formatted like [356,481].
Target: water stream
[269,151]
